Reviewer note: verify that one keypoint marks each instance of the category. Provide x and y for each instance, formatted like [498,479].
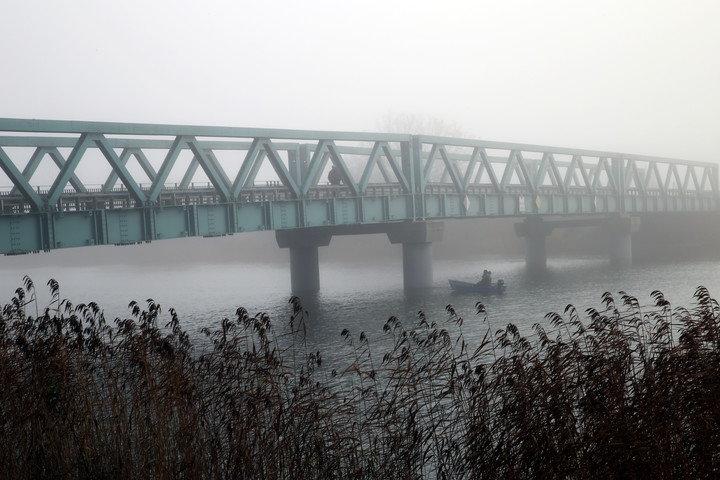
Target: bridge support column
[620,231]
[535,232]
[304,269]
[416,239]
[304,264]
[417,265]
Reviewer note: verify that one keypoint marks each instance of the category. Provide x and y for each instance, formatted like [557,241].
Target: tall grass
[622,392]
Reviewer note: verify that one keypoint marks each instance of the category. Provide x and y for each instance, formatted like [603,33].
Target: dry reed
[626,392]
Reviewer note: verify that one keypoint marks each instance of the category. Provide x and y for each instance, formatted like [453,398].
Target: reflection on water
[362,298]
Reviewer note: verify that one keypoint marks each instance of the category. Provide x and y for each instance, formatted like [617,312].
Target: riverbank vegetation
[615,392]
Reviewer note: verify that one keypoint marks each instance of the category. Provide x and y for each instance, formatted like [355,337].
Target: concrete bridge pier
[416,239]
[620,231]
[535,231]
[304,262]
[304,269]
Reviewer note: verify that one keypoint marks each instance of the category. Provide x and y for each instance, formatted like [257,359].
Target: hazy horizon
[632,77]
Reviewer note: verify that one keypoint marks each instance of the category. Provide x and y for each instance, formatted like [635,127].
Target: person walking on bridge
[334,176]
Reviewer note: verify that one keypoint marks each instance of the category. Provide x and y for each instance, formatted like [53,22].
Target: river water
[360,297]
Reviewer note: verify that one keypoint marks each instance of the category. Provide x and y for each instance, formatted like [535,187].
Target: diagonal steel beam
[552,163]
[189,173]
[321,164]
[673,173]
[584,173]
[603,165]
[471,167]
[380,150]
[427,169]
[545,169]
[67,170]
[315,166]
[280,168]
[570,173]
[20,181]
[125,156]
[145,164]
[452,170]
[250,182]
[395,166]
[386,174]
[690,174]
[372,161]
[706,180]
[525,175]
[119,168]
[213,160]
[631,172]
[480,170]
[31,166]
[251,157]
[344,170]
[577,165]
[167,165]
[653,172]
[509,169]
[59,160]
[212,168]
[485,161]
[113,177]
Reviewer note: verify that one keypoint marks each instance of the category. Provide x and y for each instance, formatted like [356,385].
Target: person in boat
[486,279]
[334,176]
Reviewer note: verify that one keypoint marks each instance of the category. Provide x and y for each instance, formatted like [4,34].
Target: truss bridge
[76,184]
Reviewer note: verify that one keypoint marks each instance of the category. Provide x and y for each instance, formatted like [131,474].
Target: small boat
[460,286]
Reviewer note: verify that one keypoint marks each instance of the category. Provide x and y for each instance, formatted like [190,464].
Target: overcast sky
[630,76]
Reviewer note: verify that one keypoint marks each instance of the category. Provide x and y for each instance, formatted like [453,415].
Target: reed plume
[620,391]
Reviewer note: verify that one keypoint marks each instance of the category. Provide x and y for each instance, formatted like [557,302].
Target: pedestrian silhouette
[334,176]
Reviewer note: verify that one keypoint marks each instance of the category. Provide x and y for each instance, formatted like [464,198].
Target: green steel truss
[68,184]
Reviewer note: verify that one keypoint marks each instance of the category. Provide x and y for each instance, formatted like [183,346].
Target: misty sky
[631,76]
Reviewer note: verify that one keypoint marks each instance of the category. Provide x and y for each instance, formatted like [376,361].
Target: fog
[668,238]
[632,77]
